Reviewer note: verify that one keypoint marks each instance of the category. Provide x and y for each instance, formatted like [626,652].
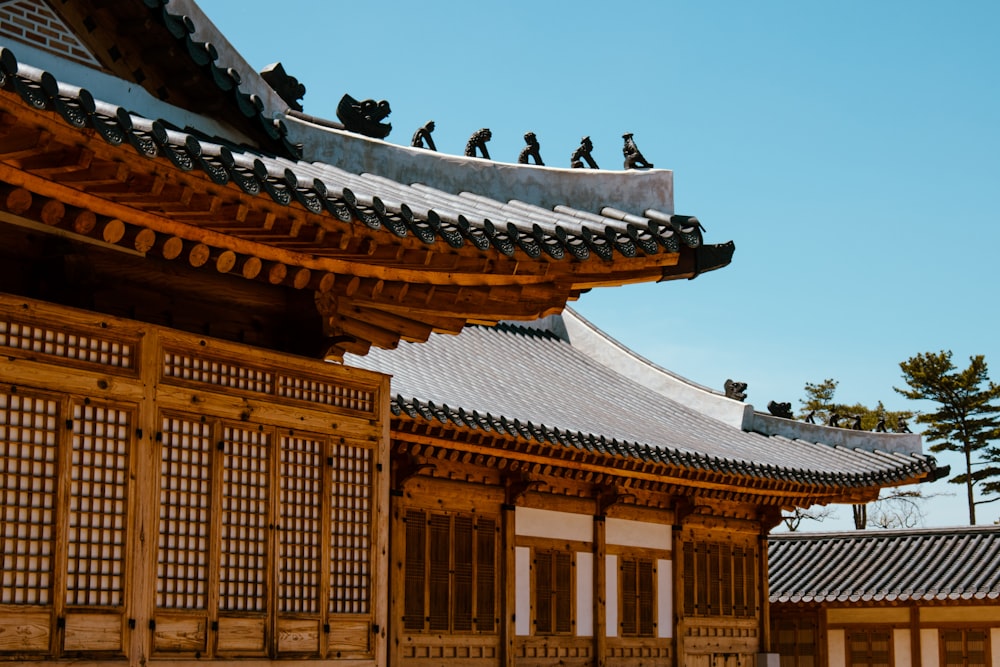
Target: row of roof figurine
[366,117]
[784,410]
[531,153]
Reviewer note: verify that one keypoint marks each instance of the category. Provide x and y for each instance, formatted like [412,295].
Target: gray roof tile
[522,375]
[929,564]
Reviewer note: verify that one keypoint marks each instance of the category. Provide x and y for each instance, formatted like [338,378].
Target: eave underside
[369,287]
[418,444]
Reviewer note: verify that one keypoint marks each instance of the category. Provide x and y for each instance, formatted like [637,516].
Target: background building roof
[886,566]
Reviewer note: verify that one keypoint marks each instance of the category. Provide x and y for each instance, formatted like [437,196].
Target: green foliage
[966,419]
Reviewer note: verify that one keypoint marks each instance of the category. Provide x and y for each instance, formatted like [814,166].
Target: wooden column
[383,510]
[677,548]
[146,491]
[765,593]
[508,586]
[916,654]
[823,641]
[600,592]
[397,555]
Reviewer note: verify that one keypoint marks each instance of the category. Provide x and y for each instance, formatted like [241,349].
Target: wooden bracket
[610,495]
[408,466]
[518,485]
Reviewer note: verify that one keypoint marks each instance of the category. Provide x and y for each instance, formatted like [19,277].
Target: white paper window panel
[532,522]
[584,594]
[522,593]
[611,595]
[664,598]
[626,532]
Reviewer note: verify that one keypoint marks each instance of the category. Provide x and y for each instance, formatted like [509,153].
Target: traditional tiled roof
[535,385]
[376,244]
[428,214]
[941,564]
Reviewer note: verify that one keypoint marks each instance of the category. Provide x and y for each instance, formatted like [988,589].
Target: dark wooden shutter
[629,623]
[975,648]
[689,573]
[543,592]
[881,642]
[440,563]
[702,580]
[462,582]
[728,592]
[486,555]
[751,582]
[563,600]
[646,597]
[739,581]
[414,577]
[714,581]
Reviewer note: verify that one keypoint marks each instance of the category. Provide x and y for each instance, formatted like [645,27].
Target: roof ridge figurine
[531,150]
[478,140]
[423,135]
[633,156]
[287,86]
[364,117]
[582,154]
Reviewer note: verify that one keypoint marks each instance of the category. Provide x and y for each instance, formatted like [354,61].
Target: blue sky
[851,150]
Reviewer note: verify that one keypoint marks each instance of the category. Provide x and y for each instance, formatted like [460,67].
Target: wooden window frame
[637,610]
[720,579]
[868,632]
[792,653]
[444,552]
[553,576]
[76,534]
[266,550]
[987,655]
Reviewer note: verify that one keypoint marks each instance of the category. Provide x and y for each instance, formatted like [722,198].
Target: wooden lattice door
[64,487]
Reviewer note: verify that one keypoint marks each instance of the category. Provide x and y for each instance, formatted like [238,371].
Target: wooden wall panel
[258,500]
[93,633]
[25,632]
[177,634]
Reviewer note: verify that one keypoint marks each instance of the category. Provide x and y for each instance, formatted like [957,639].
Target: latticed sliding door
[64,488]
[265,541]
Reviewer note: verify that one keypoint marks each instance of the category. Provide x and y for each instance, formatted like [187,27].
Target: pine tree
[966,420]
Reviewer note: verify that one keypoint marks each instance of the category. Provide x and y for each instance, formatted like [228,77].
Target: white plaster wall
[664,598]
[584,594]
[522,598]
[902,655]
[929,648]
[637,534]
[611,595]
[836,642]
[532,522]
